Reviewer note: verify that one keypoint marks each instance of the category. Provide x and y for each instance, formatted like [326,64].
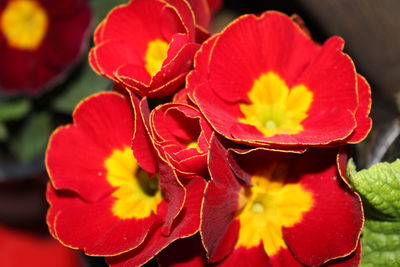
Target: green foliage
[31,141]
[381,244]
[14,109]
[379,187]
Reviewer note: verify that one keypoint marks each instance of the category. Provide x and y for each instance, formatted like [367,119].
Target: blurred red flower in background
[39,40]
[21,248]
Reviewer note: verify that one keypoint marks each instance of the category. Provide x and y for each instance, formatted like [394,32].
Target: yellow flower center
[137,195]
[268,206]
[156,53]
[24,23]
[274,109]
[193,144]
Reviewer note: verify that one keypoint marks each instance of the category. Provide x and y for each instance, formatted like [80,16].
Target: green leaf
[14,109]
[102,7]
[379,186]
[380,244]
[87,83]
[3,132]
[31,141]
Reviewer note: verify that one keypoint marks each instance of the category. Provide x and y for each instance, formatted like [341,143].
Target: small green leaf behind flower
[379,187]
[14,109]
[10,111]
[31,141]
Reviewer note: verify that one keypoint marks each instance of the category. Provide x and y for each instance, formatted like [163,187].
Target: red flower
[279,208]
[39,40]
[181,135]
[262,81]
[189,252]
[146,46]
[20,248]
[204,10]
[110,195]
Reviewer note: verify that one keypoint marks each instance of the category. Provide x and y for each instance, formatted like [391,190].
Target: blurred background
[30,112]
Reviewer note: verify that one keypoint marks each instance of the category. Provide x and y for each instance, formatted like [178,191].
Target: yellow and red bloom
[39,40]
[262,81]
[279,208]
[182,136]
[109,193]
[146,46]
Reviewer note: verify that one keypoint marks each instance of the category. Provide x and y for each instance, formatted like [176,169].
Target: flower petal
[76,153]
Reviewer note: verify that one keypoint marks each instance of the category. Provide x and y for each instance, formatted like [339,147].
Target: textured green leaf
[31,141]
[102,7]
[87,83]
[380,244]
[14,109]
[379,186]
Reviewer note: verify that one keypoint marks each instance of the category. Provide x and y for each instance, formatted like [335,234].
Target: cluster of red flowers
[242,165]
[39,40]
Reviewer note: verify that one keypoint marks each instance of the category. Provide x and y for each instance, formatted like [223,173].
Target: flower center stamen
[267,206]
[137,194]
[155,55]
[274,109]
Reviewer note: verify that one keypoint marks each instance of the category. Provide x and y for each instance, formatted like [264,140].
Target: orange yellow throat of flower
[273,108]
[156,53]
[268,206]
[24,24]
[137,195]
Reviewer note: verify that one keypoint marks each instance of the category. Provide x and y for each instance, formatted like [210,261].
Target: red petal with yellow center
[150,19]
[338,233]
[291,207]
[153,61]
[72,222]
[320,84]
[82,161]
[147,160]
[186,224]
[330,230]
[76,153]
[96,175]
